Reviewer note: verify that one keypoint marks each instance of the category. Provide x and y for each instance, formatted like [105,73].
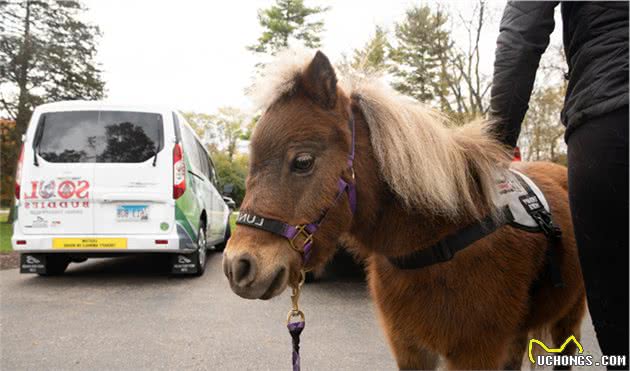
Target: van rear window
[98,136]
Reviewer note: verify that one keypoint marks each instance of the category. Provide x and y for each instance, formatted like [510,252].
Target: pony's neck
[382,224]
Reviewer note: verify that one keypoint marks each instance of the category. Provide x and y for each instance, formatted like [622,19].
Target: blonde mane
[430,164]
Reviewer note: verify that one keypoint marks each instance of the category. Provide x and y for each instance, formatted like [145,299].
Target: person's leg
[598,194]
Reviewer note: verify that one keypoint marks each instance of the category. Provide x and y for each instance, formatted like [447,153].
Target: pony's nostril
[244,271]
[226,267]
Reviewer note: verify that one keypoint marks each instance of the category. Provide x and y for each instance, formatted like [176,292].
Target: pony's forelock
[278,78]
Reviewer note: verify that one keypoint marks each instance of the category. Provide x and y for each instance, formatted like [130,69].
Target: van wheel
[55,265]
[226,237]
[200,255]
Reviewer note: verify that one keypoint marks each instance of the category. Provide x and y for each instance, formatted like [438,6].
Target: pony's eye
[302,163]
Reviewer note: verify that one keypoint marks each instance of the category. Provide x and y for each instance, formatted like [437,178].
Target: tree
[285,21]
[7,163]
[222,130]
[461,67]
[432,67]
[421,39]
[46,54]
[230,122]
[203,124]
[542,132]
[249,127]
[232,171]
[372,57]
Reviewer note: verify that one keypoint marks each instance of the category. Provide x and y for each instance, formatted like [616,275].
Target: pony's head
[299,153]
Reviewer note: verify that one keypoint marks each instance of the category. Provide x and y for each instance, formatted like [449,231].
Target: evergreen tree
[46,54]
[373,56]
[285,21]
[422,41]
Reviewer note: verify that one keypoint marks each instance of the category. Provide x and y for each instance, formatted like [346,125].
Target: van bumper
[177,242]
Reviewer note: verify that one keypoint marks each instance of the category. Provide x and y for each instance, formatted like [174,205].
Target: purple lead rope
[295,329]
[306,231]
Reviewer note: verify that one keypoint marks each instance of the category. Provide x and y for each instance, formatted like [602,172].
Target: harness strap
[543,218]
[446,248]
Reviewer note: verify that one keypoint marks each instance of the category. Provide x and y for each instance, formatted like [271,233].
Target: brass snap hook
[295,300]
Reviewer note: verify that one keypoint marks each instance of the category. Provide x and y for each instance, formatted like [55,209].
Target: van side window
[190,148]
[203,161]
[215,177]
[178,133]
[213,173]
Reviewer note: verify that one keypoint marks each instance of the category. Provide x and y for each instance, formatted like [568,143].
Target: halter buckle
[301,231]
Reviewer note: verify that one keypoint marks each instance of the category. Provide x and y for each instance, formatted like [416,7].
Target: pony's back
[557,173]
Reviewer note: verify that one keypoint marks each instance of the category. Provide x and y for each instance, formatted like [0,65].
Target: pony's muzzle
[241,270]
[249,281]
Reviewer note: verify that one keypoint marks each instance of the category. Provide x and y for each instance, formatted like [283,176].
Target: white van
[98,180]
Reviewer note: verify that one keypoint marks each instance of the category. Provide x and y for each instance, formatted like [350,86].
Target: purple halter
[300,236]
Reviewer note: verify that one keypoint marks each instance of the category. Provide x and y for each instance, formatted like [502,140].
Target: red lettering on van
[33,194]
[82,189]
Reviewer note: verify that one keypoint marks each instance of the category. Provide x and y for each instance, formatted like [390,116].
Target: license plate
[89,243]
[132,213]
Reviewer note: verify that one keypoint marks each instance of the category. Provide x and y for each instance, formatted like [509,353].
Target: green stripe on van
[181,218]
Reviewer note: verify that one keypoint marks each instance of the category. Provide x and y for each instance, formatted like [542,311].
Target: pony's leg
[567,326]
[516,351]
[486,353]
[412,356]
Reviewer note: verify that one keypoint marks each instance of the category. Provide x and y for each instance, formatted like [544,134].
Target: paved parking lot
[127,314]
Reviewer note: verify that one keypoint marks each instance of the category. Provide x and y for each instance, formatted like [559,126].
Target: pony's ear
[320,81]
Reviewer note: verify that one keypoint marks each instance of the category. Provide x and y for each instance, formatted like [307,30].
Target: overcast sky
[191,53]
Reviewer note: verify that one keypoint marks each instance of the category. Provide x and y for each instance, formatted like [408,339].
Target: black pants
[598,194]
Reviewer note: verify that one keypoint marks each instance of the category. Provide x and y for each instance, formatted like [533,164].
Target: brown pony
[417,180]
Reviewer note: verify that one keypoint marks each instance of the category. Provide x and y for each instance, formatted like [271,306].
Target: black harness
[445,249]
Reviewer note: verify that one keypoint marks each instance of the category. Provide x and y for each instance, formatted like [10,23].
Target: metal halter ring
[301,231]
[293,314]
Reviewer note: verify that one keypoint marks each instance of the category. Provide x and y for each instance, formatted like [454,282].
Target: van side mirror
[228,189]
[229,202]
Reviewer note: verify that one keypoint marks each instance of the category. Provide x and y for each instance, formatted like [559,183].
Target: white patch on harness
[510,191]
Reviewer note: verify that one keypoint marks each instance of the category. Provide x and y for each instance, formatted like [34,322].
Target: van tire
[55,265]
[228,233]
[201,255]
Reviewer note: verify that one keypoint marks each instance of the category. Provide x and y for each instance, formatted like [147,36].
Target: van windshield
[98,136]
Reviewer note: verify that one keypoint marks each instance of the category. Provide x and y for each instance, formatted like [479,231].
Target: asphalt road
[128,314]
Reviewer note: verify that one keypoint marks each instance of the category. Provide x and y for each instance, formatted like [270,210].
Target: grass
[233,221]
[6,230]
